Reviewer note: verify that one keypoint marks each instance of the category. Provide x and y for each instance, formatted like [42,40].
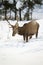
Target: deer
[27,30]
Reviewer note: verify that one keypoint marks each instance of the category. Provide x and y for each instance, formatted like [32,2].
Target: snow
[12,14]
[19,4]
[38,12]
[14,51]
[10,1]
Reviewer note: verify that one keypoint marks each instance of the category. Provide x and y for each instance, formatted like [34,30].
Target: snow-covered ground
[14,51]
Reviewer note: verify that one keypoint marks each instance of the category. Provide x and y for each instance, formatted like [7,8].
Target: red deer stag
[28,29]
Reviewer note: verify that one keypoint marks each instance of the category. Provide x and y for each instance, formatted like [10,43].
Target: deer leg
[26,38]
[30,37]
[36,34]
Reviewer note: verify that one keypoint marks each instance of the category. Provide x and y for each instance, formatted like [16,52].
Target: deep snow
[14,51]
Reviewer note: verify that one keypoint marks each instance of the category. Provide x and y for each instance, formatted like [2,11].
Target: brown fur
[28,29]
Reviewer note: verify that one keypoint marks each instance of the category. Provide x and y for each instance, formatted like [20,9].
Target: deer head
[14,28]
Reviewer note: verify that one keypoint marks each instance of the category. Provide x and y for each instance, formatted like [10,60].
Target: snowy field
[14,51]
